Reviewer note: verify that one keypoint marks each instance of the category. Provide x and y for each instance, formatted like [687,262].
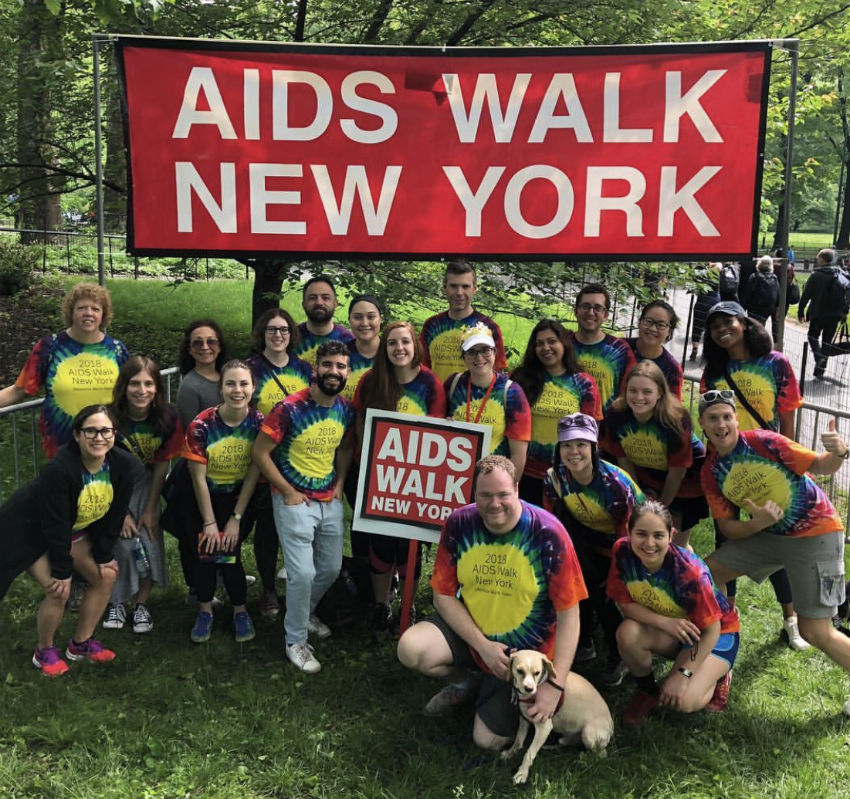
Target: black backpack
[728,282]
[764,293]
[839,291]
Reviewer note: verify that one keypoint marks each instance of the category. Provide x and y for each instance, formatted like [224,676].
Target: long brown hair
[158,415]
[668,411]
[380,388]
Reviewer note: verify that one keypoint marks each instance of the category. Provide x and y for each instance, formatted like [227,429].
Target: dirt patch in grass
[24,319]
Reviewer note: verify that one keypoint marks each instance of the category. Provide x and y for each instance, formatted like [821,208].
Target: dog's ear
[549,668]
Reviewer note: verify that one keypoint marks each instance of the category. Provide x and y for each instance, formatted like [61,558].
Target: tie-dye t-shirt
[140,439]
[765,465]
[668,365]
[422,396]
[295,376]
[441,341]
[653,449]
[307,436]
[768,383]
[506,409]
[95,498]
[73,376]
[309,342]
[561,395]
[606,362]
[225,450]
[681,589]
[513,585]
[604,504]
[359,365]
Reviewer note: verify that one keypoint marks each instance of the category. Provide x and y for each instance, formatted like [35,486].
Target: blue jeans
[311,537]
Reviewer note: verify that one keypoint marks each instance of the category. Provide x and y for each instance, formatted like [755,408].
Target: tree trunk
[269,274]
[842,241]
[39,42]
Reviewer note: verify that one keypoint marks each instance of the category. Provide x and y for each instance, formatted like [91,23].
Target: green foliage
[18,263]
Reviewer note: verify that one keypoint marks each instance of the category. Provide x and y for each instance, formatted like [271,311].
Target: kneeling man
[505,578]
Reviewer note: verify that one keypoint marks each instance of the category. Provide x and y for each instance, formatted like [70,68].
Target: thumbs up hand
[832,442]
[763,515]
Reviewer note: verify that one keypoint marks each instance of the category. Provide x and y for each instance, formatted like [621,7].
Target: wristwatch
[237,516]
[687,672]
[846,454]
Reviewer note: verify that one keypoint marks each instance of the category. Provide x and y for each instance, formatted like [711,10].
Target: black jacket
[821,293]
[39,516]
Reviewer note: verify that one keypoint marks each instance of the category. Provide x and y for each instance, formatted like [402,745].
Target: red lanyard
[483,402]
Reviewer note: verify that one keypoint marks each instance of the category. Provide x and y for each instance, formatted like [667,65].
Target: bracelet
[556,686]
[211,524]
[687,672]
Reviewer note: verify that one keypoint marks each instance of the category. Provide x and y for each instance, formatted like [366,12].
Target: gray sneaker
[450,697]
[315,626]
[302,657]
[614,674]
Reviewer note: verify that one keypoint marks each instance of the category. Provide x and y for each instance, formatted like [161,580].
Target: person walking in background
[442,333]
[824,303]
[706,298]
[762,291]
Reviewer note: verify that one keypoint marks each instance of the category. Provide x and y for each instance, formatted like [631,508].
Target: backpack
[764,293]
[728,282]
[839,290]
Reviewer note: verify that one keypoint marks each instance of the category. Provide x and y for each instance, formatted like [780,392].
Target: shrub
[17,267]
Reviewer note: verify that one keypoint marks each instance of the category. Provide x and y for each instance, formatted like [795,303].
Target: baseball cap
[479,333]
[578,426]
[727,308]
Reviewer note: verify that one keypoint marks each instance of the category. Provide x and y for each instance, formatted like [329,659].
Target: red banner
[414,472]
[645,152]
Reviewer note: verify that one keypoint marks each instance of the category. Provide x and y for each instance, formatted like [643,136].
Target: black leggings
[266,542]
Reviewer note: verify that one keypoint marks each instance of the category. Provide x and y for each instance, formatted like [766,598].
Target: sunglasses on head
[724,395]
[578,421]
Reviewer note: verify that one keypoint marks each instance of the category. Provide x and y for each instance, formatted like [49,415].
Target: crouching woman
[68,518]
[672,608]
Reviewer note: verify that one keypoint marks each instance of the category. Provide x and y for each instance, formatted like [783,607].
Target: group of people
[594,480]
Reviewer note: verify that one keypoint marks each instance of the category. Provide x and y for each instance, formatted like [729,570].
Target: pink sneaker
[720,697]
[91,650]
[638,710]
[49,661]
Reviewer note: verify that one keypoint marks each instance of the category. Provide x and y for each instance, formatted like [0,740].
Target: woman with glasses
[739,356]
[202,352]
[650,433]
[68,518]
[656,325]
[554,388]
[76,367]
[593,499]
[791,524]
[398,381]
[148,428]
[484,396]
[277,374]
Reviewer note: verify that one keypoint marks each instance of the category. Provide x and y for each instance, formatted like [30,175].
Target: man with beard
[304,451]
[318,299]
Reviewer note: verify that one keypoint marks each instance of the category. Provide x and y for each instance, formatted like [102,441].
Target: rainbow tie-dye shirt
[768,383]
[422,396]
[295,376]
[307,436]
[767,466]
[603,505]
[73,376]
[95,498]
[309,342]
[140,439]
[653,449]
[607,362]
[441,341]
[359,365]
[506,410]
[560,396]
[225,450]
[669,366]
[681,589]
[513,585]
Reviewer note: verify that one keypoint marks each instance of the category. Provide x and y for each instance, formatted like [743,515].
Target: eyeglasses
[480,352]
[278,331]
[655,323]
[91,433]
[200,343]
[588,307]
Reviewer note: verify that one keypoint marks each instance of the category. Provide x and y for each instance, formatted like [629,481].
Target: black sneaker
[614,674]
[379,617]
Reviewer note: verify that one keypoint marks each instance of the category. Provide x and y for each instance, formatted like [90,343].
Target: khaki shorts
[815,567]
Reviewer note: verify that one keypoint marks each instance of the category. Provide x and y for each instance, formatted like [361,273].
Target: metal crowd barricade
[21,455]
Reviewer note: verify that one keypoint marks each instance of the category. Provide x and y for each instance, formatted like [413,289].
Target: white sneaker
[116,615]
[792,632]
[281,575]
[250,580]
[315,626]
[142,620]
[302,657]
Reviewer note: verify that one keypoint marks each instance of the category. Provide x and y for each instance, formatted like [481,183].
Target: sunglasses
[200,343]
[91,433]
[715,396]
[578,421]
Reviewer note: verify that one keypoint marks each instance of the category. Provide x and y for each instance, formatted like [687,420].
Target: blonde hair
[668,411]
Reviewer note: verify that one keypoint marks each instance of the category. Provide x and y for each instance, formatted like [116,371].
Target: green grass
[171,719]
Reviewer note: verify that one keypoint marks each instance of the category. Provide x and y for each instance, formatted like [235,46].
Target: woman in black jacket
[69,517]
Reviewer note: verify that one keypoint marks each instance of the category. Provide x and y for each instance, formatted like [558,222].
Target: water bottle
[143,563]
